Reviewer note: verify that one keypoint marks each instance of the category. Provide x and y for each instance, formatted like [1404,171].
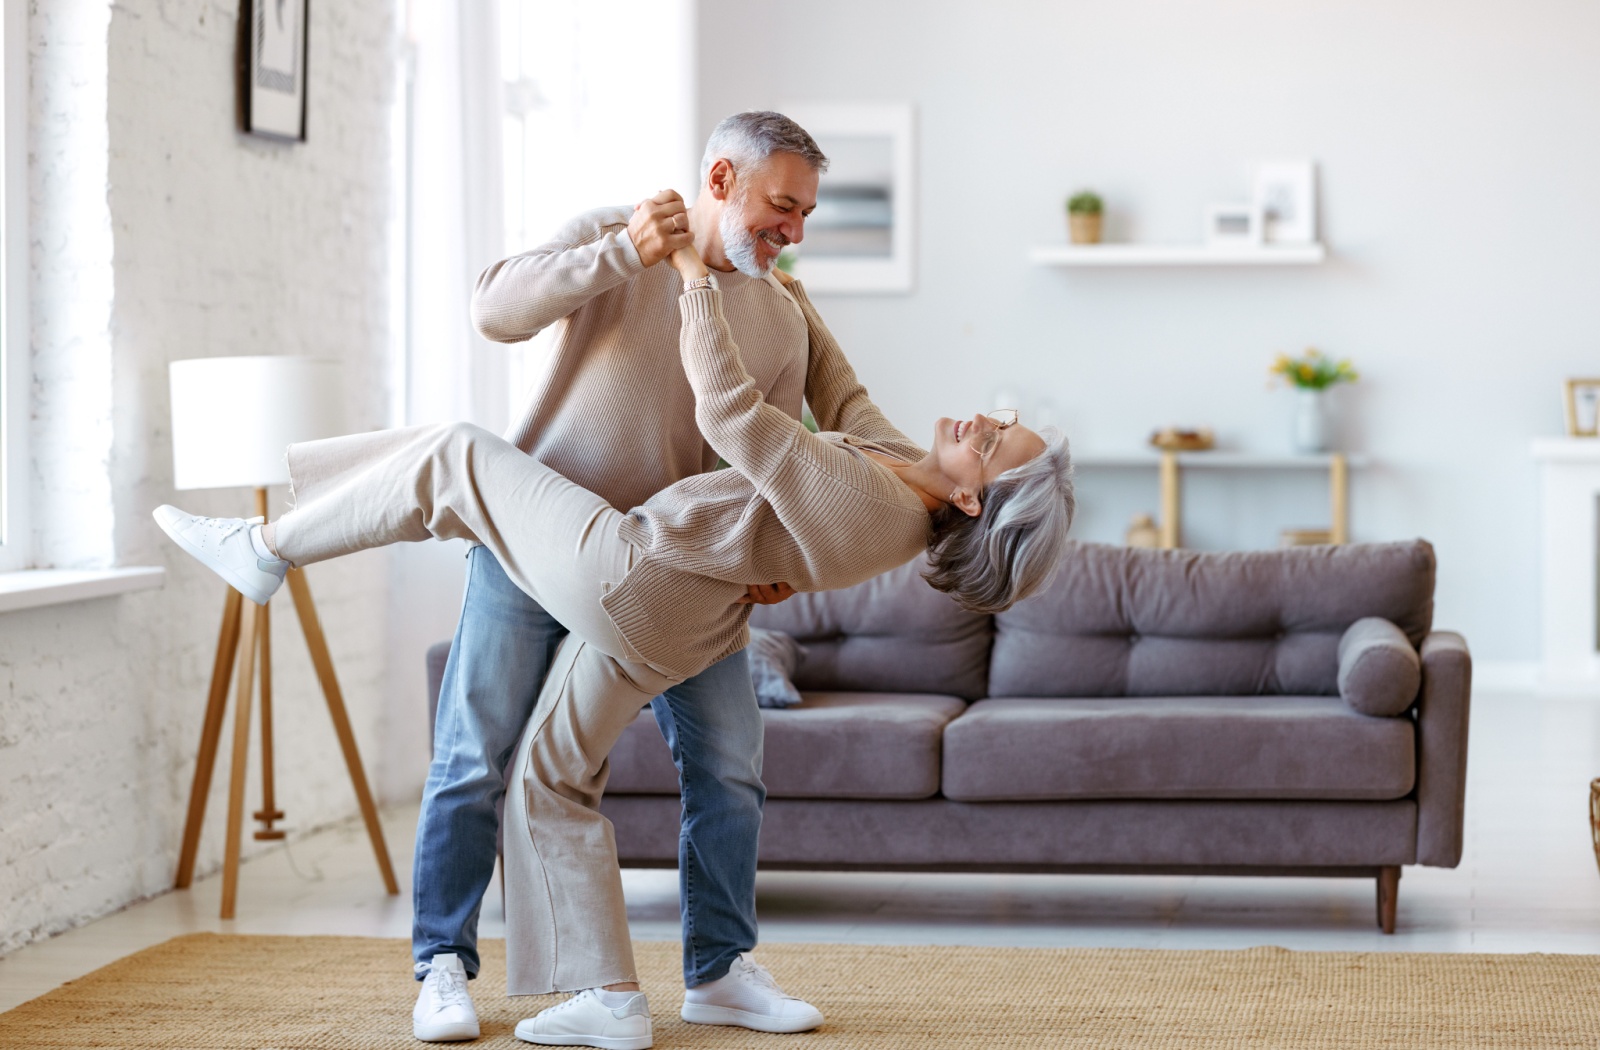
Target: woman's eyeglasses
[985,445]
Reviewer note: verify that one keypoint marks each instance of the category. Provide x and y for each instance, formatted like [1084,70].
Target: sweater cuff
[702,304]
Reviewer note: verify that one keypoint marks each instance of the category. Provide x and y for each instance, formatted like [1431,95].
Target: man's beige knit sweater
[613,410]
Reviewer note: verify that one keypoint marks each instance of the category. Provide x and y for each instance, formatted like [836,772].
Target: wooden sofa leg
[1388,896]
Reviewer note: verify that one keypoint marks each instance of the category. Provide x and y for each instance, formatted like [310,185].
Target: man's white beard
[738,243]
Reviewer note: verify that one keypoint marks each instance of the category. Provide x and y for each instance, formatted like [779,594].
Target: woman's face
[957,444]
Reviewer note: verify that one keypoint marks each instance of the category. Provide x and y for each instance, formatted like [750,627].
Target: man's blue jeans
[503,646]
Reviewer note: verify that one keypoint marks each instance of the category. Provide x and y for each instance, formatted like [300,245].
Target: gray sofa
[1265,713]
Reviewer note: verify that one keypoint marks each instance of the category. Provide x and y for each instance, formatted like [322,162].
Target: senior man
[615,359]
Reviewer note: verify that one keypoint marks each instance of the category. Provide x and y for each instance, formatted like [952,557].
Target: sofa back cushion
[1119,621]
[892,634]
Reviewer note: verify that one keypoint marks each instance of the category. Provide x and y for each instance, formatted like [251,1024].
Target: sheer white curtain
[598,109]
[453,212]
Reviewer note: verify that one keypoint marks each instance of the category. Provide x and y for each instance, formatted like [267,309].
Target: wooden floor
[1528,883]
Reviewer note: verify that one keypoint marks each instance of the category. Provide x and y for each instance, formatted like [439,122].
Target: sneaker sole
[701,1013]
[227,574]
[444,1033]
[605,1042]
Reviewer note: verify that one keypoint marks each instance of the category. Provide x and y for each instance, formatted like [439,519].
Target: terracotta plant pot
[1085,229]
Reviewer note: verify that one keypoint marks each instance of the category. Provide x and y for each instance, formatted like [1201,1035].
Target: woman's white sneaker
[444,1011]
[584,1020]
[224,546]
[747,996]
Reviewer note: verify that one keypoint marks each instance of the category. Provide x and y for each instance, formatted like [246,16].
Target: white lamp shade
[232,417]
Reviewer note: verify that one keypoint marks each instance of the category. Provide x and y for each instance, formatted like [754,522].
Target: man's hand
[766,594]
[659,226]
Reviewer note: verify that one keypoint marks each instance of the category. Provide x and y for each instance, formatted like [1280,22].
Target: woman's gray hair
[1015,544]
[748,139]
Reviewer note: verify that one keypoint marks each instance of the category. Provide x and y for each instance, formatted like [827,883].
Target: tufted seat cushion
[833,745]
[1118,621]
[1189,747]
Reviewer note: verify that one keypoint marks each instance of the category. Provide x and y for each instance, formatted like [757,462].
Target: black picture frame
[273,68]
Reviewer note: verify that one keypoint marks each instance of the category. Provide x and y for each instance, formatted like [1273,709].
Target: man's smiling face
[767,210]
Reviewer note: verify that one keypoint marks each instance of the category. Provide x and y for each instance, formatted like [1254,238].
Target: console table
[1569,495]
[1171,465]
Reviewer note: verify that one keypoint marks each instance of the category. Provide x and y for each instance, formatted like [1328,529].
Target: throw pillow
[773,658]
[1379,671]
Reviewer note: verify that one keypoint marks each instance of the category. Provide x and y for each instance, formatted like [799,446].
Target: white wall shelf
[31,588]
[1176,255]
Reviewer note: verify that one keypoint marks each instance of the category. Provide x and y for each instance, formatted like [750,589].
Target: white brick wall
[161,233]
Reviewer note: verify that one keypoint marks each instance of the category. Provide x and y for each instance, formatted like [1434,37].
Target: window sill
[32,588]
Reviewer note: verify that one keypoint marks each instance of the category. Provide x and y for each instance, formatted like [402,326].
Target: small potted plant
[1085,209]
[1311,374]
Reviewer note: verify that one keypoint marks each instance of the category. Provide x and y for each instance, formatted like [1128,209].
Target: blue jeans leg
[502,648]
[714,728]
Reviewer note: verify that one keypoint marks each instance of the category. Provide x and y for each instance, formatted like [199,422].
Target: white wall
[1458,170]
[161,233]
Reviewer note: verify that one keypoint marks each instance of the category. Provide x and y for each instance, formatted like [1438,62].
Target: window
[14,334]
[596,113]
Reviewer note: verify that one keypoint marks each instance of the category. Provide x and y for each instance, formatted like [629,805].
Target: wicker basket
[1594,817]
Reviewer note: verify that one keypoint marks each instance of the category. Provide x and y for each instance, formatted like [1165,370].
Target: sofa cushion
[1281,747]
[1379,670]
[833,745]
[1120,621]
[891,634]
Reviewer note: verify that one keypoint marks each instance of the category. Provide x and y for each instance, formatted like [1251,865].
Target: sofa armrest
[1442,710]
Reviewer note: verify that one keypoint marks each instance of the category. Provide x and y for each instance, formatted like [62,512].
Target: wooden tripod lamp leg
[323,662]
[210,733]
[241,758]
[269,810]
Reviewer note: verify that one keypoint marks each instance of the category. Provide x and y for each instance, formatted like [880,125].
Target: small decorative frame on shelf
[1105,255]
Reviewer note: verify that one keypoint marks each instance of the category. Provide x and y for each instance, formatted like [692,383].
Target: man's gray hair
[1011,549]
[748,139]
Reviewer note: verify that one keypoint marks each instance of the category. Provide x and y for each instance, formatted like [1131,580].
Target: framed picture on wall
[1582,402]
[275,95]
[861,237]
[1286,194]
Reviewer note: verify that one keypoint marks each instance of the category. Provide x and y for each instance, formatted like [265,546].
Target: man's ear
[966,502]
[719,180]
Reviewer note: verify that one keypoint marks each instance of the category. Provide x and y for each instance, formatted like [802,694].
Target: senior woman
[652,596]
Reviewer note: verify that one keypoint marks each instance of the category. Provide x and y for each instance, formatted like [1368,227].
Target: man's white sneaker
[747,996]
[223,545]
[444,1012]
[584,1020]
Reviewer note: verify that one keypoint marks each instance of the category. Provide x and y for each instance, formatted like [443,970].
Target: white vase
[1310,431]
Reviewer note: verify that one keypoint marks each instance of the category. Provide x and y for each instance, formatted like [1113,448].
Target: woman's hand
[688,263]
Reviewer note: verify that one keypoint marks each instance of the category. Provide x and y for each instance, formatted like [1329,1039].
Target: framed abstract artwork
[275,93]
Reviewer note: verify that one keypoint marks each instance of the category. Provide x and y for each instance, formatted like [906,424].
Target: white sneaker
[584,1020]
[223,546]
[747,996]
[444,1012]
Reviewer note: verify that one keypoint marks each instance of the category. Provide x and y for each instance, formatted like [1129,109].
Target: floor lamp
[232,418]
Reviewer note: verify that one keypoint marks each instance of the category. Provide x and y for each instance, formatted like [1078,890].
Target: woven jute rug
[222,992]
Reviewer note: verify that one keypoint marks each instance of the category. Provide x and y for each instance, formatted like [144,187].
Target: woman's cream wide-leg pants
[567,923]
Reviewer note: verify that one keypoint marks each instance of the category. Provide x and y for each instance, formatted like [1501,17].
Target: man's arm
[838,400]
[518,297]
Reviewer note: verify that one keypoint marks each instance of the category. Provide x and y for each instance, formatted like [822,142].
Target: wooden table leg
[210,733]
[1339,498]
[1171,529]
[306,609]
[241,758]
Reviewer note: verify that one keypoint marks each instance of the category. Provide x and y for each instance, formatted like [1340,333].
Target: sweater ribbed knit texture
[645,389]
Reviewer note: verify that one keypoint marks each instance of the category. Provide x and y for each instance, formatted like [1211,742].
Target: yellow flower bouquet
[1312,370]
